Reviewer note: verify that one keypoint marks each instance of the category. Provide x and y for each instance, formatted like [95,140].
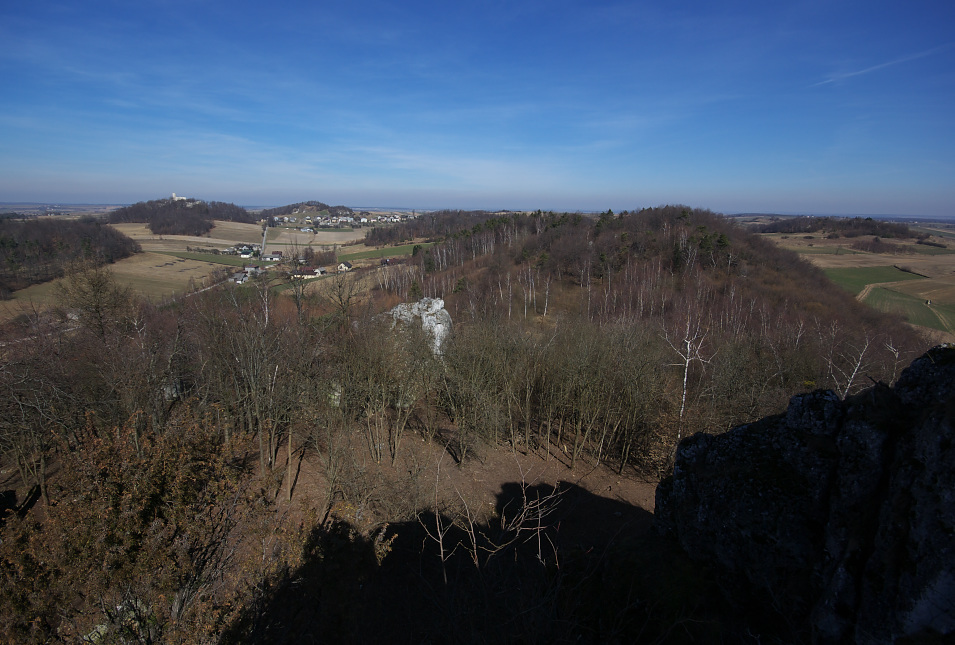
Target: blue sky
[738,106]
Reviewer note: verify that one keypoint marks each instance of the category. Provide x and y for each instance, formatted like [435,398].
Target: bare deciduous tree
[92,293]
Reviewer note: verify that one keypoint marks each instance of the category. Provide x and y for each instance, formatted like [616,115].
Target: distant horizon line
[254,207]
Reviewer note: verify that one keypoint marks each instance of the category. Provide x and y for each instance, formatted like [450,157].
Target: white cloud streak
[842,76]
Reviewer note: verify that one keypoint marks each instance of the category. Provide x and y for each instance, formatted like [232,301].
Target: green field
[941,317]
[938,232]
[386,252]
[925,249]
[855,280]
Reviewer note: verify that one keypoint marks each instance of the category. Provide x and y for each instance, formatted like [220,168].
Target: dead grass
[153,276]
[223,235]
[937,290]
[291,241]
[823,253]
[25,301]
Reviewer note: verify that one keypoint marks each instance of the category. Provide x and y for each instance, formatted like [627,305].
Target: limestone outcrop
[432,316]
[839,515]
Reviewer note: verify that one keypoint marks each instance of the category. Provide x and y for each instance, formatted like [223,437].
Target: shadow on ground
[551,566]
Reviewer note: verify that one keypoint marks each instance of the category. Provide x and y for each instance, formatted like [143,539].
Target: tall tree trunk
[290,473]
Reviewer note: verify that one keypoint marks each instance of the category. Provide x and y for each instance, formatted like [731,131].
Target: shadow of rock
[552,566]
[8,503]
[9,506]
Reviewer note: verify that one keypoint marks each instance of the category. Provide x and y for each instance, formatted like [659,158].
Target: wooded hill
[726,325]
[306,208]
[41,249]
[157,439]
[180,216]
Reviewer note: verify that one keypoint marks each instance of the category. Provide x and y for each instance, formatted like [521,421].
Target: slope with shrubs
[149,444]
[639,328]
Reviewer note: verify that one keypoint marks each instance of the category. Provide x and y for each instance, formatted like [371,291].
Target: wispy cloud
[841,76]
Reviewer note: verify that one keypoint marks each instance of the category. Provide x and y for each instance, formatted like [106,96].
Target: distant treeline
[307,207]
[431,227]
[877,245]
[180,216]
[38,250]
[837,226]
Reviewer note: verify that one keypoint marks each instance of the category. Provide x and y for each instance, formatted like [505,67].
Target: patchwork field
[223,235]
[227,234]
[166,268]
[919,283]
[281,238]
[855,280]
[929,289]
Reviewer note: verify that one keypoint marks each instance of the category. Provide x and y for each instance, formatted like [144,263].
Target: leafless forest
[154,448]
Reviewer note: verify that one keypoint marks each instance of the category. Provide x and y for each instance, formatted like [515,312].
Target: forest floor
[596,504]
[592,506]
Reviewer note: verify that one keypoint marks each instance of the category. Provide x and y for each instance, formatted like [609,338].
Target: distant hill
[836,226]
[180,216]
[307,207]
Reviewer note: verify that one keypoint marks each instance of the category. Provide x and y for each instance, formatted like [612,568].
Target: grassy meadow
[384,252]
[915,310]
[855,280]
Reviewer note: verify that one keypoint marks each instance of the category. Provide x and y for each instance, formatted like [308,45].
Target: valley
[319,451]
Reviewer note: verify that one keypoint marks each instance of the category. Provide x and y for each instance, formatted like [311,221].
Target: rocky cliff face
[839,515]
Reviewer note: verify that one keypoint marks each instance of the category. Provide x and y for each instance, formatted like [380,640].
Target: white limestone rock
[435,319]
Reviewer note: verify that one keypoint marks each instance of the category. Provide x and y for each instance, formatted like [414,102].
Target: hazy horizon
[838,108]
[255,207]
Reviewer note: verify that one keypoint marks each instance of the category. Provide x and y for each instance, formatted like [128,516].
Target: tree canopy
[40,249]
[180,216]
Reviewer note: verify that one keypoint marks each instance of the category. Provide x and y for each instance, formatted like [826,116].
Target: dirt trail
[946,322]
[862,295]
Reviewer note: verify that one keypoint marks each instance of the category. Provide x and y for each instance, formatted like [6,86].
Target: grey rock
[838,514]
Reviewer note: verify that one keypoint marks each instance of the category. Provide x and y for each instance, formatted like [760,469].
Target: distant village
[254,251]
[329,221]
[300,271]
